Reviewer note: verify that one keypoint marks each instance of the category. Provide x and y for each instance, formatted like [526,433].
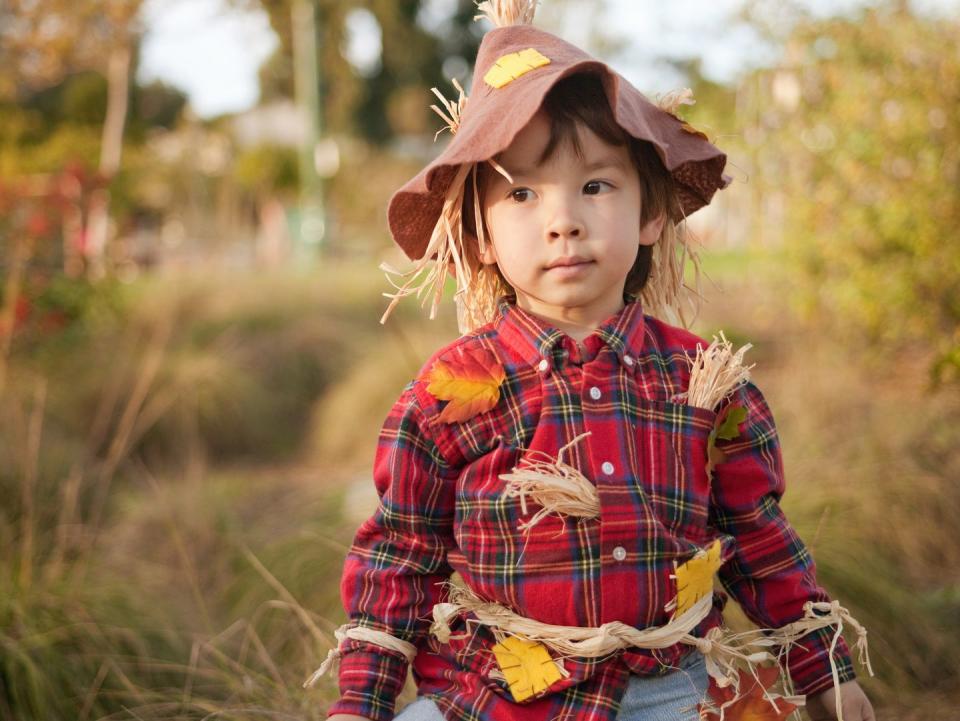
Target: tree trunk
[111,147]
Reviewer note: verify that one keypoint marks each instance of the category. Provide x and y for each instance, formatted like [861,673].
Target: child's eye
[594,187]
[519,195]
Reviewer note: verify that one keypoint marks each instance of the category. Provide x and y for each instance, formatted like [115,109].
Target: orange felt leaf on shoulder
[469,378]
[755,702]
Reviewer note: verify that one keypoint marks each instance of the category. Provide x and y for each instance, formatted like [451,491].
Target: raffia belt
[721,648]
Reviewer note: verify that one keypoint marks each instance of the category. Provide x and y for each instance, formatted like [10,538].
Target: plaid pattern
[441,510]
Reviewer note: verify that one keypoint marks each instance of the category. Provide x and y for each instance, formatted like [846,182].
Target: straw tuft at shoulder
[504,13]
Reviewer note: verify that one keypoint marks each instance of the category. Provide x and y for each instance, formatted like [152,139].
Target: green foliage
[267,168]
[856,130]
[85,98]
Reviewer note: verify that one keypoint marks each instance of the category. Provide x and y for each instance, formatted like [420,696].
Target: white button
[543,365]
[595,393]
[619,553]
[607,468]
[628,360]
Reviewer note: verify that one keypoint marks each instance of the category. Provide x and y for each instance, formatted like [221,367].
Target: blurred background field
[192,372]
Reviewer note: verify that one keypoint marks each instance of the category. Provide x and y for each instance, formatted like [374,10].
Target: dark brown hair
[580,100]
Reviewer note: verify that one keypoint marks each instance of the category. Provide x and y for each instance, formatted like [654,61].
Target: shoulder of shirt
[484,337]
[670,339]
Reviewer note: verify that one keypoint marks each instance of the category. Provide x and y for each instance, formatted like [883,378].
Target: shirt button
[543,365]
[628,361]
[595,393]
[619,553]
[607,468]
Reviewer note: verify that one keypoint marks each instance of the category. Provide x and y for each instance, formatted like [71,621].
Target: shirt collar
[535,340]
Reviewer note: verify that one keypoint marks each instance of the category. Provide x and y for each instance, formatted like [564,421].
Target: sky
[208,50]
[213,52]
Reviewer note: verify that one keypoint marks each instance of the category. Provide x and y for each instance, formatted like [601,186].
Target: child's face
[566,234]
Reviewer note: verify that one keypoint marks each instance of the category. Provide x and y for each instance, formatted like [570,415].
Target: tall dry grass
[176,494]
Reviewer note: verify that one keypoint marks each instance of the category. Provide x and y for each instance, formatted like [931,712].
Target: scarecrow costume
[586,496]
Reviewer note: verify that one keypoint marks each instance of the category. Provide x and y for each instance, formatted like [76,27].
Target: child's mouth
[571,266]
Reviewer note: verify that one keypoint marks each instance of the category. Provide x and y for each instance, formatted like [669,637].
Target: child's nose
[564,224]
[566,231]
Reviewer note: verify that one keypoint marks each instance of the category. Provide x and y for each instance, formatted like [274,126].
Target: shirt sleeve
[771,573]
[398,559]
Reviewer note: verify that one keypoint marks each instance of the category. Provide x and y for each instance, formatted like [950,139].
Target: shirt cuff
[808,662]
[371,678]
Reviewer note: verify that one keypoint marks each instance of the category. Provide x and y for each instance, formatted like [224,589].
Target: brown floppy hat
[516,67]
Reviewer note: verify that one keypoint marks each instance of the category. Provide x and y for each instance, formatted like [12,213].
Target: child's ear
[650,233]
[489,255]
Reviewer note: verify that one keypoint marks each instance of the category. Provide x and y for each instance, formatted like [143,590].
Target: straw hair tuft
[451,251]
[444,253]
[504,13]
[666,293]
[451,112]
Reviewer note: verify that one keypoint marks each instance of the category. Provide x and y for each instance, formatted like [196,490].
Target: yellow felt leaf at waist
[527,666]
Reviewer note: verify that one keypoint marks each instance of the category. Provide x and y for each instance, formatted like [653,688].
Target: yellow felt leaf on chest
[695,577]
[527,666]
[510,67]
[469,378]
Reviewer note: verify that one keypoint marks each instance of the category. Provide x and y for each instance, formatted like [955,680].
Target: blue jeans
[673,697]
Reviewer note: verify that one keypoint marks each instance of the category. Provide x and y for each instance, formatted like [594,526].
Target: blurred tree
[393,95]
[42,41]
[855,137]
[156,105]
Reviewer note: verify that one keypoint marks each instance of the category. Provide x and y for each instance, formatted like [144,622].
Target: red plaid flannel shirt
[442,510]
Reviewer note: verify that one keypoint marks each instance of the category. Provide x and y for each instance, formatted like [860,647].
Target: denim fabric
[673,697]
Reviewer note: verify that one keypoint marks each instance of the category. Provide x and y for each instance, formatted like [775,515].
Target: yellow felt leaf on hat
[512,66]
[526,666]
[695,577]
[470,379]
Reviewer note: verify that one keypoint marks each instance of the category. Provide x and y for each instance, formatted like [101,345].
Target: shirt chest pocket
[672,442]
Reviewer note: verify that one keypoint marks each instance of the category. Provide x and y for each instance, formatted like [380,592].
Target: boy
[558,204]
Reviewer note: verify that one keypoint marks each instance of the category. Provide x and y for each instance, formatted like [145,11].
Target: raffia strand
[360,633]
[554,484]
